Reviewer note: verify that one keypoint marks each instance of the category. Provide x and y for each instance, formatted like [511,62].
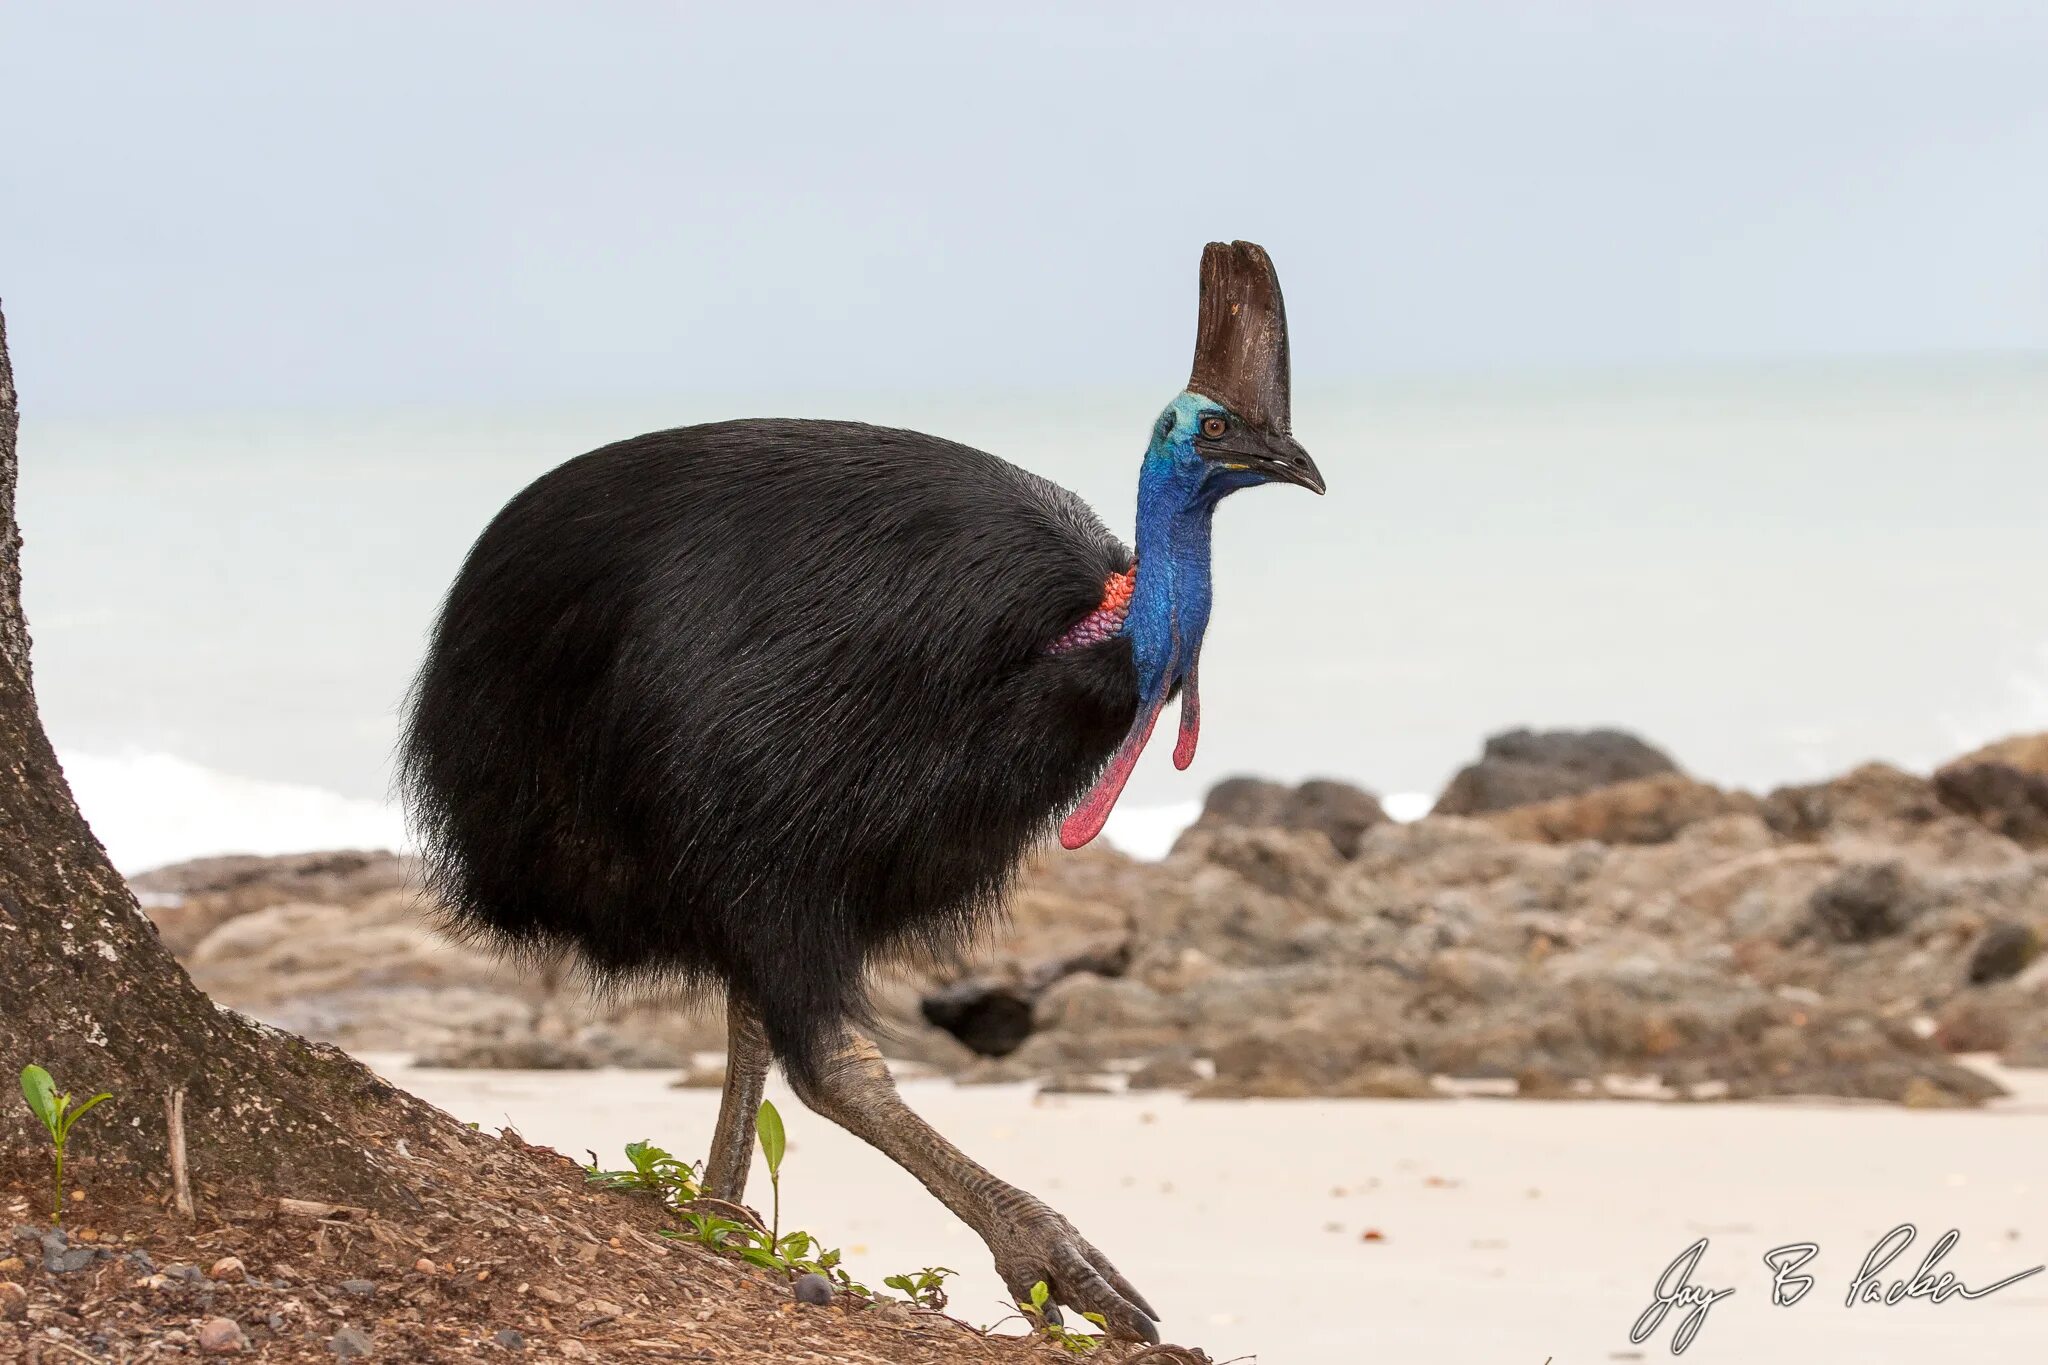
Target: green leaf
[41,1093]
[80,1112]
[1040,1292]
[768,1124]
[1097,1319]
[762,1257]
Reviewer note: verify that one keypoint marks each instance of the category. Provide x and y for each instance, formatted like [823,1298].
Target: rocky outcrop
[1649,810]
[1339,811]
[1659,935]
[2003,786]
[1523,767]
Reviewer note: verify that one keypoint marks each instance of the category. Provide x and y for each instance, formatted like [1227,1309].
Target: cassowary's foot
[1030,1242]
[1038,1244]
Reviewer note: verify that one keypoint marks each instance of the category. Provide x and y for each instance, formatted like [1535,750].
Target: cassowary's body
[756,704]
[760,702]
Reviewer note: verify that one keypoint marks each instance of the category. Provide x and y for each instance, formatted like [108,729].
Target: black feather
[760,703]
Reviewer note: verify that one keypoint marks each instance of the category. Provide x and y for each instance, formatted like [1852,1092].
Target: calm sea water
[1774,574]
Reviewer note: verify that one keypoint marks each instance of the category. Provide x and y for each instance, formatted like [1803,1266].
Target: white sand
[1514,1231]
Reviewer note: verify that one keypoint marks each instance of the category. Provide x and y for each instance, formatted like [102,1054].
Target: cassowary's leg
[732,1142]
[1029,1240]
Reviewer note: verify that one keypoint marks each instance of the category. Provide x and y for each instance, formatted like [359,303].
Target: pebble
[13,1301]
[349,1343]
[64,1262]
[510,1340]
[222,1336]
[424,1266]
[184,1272]
[812,1289]
[227,1268]
[362,1289]
[142,1260]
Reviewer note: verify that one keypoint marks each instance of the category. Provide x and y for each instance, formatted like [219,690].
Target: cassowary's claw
[1077,1275]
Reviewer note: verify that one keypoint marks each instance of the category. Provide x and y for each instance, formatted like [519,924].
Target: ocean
[1774,572]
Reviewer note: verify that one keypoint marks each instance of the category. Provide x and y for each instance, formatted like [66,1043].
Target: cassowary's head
[1229,429]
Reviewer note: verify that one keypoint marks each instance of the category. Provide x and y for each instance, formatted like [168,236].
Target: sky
[209,207]
[1676,366]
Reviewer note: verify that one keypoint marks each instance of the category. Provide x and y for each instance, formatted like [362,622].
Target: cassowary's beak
[1273,457]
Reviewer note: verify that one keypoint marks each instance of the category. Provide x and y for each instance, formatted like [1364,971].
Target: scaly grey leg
[1030,1241]
[732,1141]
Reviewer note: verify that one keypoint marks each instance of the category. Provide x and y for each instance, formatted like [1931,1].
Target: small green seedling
[925,1288]
[1036,1312]
[670,1179]
[768,1127]
[58,1116]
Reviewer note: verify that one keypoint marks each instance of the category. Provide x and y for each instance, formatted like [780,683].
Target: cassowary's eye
[1213,427]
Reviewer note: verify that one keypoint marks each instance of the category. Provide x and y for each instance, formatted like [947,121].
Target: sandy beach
[1509,1232]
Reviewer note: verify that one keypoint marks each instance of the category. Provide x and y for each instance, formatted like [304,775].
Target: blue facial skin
[1177,495]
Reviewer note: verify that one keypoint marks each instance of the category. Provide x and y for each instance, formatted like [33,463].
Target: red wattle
[1093,813]
[1190,724]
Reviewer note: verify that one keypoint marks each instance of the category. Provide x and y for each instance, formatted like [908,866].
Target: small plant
[670,1179]
[58,1116]
[709,1230]
[774,1142]
[1039,1315]
[926,1288]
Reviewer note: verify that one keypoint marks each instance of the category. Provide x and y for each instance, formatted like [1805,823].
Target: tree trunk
[88,992]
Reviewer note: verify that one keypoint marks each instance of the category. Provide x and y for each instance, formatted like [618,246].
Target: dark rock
[1338,810]
[2004,950]
[350,1343]
[361,1289]
[813,1289]
[142,1261]
[1522,767]
[991,1018]
[509,1339]
[1867,901]
[64,1262]
[2008,800]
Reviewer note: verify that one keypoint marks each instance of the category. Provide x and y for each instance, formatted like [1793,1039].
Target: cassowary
[759,704]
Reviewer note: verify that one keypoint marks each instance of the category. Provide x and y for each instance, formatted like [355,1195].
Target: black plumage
[759,703]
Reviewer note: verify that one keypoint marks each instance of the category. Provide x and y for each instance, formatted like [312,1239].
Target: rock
[1173,1069]
[2028,753]
[1337,810]
[227,1268]
[1649,810]
[1873,798]
[222,1336]
[351,1343]
[1523,767]
[2007,799]
[2004,950]
[812,1289]
[1974,1023]
[509,1339]
[1867,901]
[69,1261]
[361,1289]
[522,1051]
[13,1302]
[992,1018]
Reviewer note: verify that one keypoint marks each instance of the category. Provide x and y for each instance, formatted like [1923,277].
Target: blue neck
[1170,601]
